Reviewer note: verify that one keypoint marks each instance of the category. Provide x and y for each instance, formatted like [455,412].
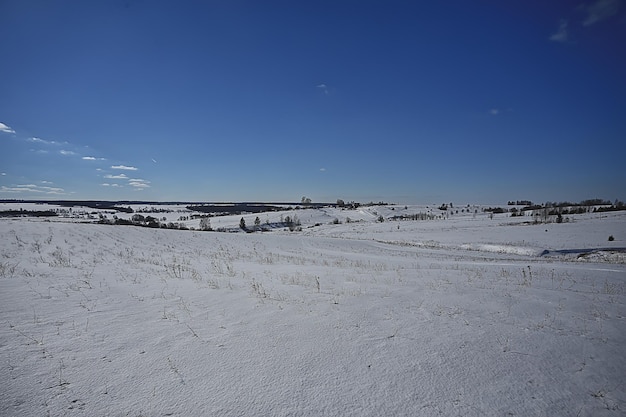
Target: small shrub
[611,238]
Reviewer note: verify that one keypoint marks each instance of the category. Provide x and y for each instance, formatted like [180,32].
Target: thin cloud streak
[561,35]
[32,188]
[124,167]
[600,10]
[6,129]
[46,142]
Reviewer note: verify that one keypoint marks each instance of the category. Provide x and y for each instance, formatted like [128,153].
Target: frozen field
[465,316]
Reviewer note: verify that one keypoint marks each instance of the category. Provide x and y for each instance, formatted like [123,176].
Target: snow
[455,316]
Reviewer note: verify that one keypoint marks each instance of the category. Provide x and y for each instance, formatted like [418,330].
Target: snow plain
[461,316]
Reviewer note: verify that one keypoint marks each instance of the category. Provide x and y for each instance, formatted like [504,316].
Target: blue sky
[401,101]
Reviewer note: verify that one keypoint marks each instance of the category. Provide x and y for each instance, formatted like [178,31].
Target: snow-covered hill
[456,316]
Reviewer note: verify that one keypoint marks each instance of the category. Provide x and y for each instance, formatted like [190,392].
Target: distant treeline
[549,209]
[27,213]
[237,208]
[415,216]
[251,208]
[520,203]
[293,223]
[215,207]
[585,203]
[102,205]
[144,221]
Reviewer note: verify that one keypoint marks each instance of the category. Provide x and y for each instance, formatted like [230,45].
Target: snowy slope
[355,319]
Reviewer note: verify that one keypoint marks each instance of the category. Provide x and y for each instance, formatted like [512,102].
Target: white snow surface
[457,316]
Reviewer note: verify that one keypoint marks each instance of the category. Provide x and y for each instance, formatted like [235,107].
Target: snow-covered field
[464,316]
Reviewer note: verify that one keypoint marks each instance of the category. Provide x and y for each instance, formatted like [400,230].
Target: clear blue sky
[402,101]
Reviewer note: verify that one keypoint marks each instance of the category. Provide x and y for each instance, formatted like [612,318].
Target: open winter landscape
[378,310]
[341,208]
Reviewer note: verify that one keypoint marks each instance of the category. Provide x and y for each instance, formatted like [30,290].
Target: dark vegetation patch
[27,213]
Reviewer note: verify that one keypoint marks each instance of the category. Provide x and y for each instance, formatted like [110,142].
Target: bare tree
[205,224]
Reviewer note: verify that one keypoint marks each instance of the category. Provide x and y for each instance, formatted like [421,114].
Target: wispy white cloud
[498,111]
[116,177]
[6,129]
[53,190]
[600,10]
[106,184]
[124,167]
[46,142]
[16,189]
[93,158]
[3,173]
[32,188]
[323,169]
[138,183]
[322,87]
[561,34]
[594,11]
[67,153]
